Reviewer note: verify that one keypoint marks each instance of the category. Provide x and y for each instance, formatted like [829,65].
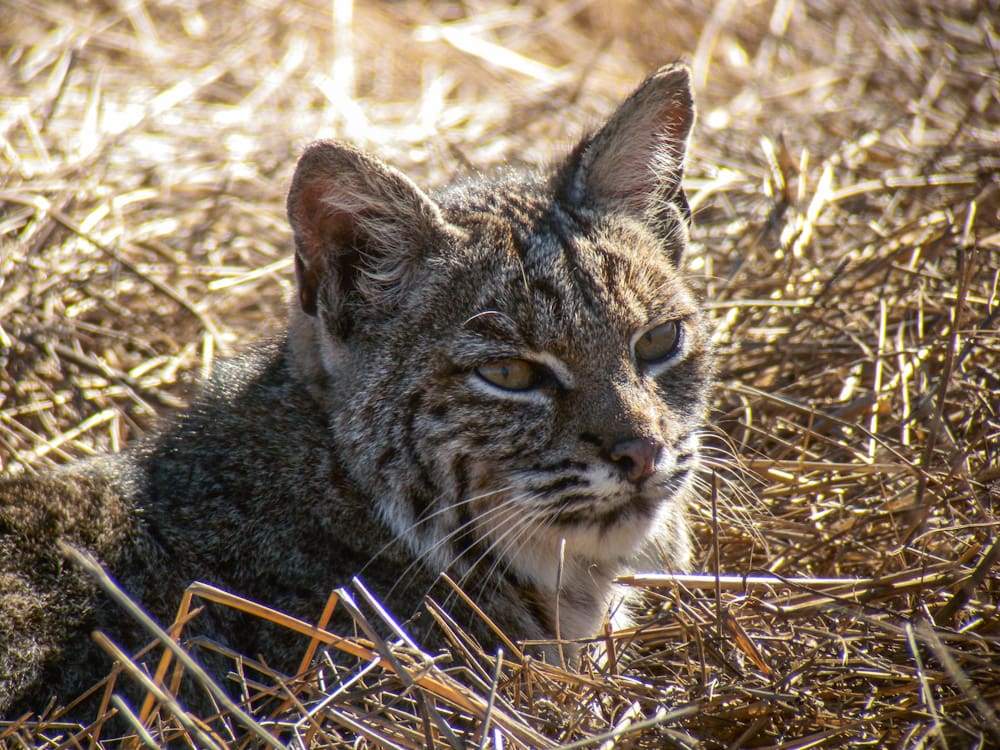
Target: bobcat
[504,380]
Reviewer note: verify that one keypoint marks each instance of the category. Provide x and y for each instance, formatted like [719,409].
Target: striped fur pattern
[504,380]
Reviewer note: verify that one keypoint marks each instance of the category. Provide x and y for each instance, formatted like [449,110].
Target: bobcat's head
[512,365]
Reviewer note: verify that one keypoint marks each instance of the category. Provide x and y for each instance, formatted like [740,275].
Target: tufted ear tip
[635,162]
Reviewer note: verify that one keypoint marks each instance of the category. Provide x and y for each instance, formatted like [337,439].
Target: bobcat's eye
[512,374]
[658,343]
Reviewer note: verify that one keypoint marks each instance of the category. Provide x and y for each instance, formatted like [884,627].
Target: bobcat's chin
[622,523]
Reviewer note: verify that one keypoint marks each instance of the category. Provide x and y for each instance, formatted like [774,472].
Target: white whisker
[455,533]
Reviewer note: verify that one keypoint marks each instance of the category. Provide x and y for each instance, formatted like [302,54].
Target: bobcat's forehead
[554,280]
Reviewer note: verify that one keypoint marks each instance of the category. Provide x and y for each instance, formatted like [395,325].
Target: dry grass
[844,175]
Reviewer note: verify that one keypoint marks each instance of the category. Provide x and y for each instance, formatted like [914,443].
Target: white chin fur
[612,548]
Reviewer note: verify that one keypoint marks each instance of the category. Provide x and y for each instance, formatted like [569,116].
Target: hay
[844,177]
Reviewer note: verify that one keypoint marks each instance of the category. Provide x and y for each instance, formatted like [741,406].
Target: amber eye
[512,374]
[658,343]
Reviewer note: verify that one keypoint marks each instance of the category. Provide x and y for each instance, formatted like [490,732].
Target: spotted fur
[371,438]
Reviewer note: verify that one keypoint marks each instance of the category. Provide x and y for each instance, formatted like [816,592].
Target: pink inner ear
[307,220]
[318,224]
[645,157]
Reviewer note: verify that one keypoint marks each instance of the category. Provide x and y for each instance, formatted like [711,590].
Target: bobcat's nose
[636,457]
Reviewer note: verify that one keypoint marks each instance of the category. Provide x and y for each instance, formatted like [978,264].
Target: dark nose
[637,457]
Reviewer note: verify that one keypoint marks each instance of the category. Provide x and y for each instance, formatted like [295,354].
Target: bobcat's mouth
[577,494]
[611,501]
[592,505]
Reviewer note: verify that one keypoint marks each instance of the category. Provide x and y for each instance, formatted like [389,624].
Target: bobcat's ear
[360,227]
[634,164]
